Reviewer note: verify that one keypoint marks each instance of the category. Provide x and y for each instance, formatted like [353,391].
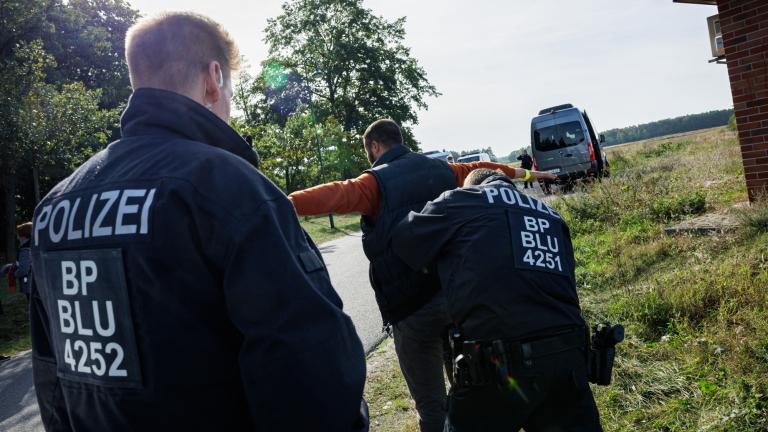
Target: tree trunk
[288,184]
[36,181]
[7,216]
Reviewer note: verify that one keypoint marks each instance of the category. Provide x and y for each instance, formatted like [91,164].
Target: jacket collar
[153,111]
[395,152]
[498,179]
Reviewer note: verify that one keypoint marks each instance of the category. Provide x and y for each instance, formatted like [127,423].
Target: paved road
[349,272]
[348,268]
[18,405]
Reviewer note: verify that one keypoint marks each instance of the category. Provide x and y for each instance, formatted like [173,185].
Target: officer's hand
[544,175]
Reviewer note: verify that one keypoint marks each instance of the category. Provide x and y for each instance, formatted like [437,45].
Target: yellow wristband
[527,175]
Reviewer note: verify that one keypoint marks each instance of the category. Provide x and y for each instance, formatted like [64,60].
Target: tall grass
[695,308]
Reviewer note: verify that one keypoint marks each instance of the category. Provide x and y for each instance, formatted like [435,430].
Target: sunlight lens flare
[275,76]
[511,383]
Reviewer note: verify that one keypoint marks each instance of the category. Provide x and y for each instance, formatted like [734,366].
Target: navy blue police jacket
[505,260]
[175,290]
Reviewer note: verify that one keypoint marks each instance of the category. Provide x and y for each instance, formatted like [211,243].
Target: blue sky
[497,62]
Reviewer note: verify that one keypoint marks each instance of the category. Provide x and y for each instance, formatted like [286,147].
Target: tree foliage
[336,65]
[87,41]
[62,128]
[353,62]
[62,82]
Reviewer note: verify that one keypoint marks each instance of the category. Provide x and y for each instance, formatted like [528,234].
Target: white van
[475,157]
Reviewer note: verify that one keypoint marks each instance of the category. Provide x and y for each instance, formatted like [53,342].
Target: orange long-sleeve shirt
[362,194]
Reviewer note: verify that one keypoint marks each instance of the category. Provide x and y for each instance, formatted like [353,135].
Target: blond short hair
[478,175]
[171,50]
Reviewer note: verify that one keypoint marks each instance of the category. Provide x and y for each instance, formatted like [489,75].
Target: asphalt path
[347,266]
[18,404]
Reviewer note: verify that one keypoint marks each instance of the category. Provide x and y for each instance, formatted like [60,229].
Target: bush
[691,203]
[619,162]
[663,149]
[732,122]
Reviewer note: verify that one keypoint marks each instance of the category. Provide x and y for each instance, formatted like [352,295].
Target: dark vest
[406,182]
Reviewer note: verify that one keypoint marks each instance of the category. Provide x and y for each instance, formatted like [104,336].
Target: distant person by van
[526,163]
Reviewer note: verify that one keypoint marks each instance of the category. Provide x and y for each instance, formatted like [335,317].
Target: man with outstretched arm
[398,182]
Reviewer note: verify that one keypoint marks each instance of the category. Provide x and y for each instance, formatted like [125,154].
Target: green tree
[345,154]
[352,64]
[20,71]
[88,43]
[46,48]
[61,129]
[289,154]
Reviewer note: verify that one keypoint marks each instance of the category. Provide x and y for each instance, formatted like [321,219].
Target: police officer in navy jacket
[174,288]
[506,266]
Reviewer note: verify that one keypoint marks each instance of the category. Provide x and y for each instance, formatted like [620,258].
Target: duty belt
[480,363]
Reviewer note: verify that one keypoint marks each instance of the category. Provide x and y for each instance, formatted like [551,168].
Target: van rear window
[558,136]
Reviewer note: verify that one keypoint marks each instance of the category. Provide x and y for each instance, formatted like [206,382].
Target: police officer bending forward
[506,264]
[175,289]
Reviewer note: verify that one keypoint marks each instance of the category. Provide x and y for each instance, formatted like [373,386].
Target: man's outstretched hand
[541,175]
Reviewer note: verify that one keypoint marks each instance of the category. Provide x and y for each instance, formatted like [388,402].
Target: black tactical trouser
[550,395]
[420,351]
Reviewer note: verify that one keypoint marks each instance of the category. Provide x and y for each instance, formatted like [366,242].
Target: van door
[595,143]
[560,145]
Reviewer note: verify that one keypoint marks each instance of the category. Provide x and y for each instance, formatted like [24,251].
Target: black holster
[602,352]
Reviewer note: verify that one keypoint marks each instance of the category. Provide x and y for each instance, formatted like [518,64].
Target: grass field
[320,230]
[695,307]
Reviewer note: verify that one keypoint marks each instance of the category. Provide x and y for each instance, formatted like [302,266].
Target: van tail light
[591,151]
[533,158]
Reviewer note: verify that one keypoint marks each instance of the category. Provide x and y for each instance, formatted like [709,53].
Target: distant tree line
[685,123]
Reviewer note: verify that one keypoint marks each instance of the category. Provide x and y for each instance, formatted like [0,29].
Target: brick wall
[744,24]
